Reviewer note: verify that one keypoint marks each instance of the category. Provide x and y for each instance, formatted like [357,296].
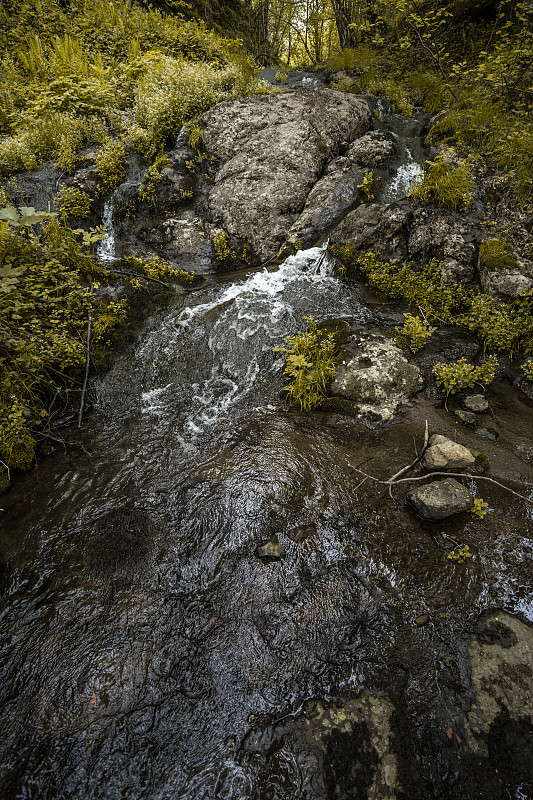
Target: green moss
[497,254]
[281,76]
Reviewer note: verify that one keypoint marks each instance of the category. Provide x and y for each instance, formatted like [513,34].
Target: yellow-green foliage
[527,369]
[174,91]
[281,76]
[479,509]
[45,299]
[222,247]
[155,267]
[152,177]
[443,184]
[462,375]
[459,554]
[497,254]
[415,332]
[111,164]
[69,72]
[310,364]
[73,202]
[499,326]
[368,185]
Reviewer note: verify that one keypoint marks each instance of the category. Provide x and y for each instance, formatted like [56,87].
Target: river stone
[466,417]
[440,499]
[374,149]
[443,453]
[476,403]
[329,199]
[377,376]
[272,150]
[187,243]
[376,227]
[272,550]
[505,284]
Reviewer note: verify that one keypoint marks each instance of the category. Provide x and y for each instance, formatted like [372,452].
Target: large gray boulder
[376,376]
[272,151]
[376,227]
[440,499]
[506,284]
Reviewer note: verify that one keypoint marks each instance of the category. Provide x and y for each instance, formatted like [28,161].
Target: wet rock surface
[441,499]
[146,651]
[272,151]
[376,375]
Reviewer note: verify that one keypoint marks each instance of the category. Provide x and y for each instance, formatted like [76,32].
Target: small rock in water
[476,403]
[488,433]
[466,417]
[445,454]
[272,550]
[422,620]
[301,532]
[440,499]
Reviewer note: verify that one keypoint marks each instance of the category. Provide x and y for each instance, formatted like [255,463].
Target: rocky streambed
[214,601]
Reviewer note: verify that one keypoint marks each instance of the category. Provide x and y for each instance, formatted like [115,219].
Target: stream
[147,652]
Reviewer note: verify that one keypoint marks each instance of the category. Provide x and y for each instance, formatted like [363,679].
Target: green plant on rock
[281,76]
[459,554]
[415,332]
[444,184]
[221,244]
[462,375]
[368,185]
[155,267]
[111,164]
[496,254]
[527,369]
[479,509]
[45,300]
[152,177]
[310,364]
[73,202]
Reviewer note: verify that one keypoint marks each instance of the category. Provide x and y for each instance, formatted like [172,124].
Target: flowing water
[147,652]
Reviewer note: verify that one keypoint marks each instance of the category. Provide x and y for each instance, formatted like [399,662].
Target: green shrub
[111,164]
[443,184]
[310,364]
[462,375]
[497,254]
[155,267]
[73,202]
[221,245]
[415,331]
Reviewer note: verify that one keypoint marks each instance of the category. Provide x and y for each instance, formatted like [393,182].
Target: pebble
[422,620]
[476,403]
[467,418]
[488,433]
[272,550]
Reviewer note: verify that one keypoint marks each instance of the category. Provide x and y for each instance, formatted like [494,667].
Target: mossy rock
[482,462]
[496,254]
[340,405]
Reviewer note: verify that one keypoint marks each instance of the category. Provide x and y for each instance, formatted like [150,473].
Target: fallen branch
[87,367]
[391,482]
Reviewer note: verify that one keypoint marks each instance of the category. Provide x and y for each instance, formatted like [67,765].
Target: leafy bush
[461,375]
[111,164]
[499,326]
[416,331]
[221,245]
[73,202]
[310,364]
[444,184]
[45,299]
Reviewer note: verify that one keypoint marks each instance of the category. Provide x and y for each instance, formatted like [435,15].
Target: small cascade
[106,247]
[182,138]
[405,176]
